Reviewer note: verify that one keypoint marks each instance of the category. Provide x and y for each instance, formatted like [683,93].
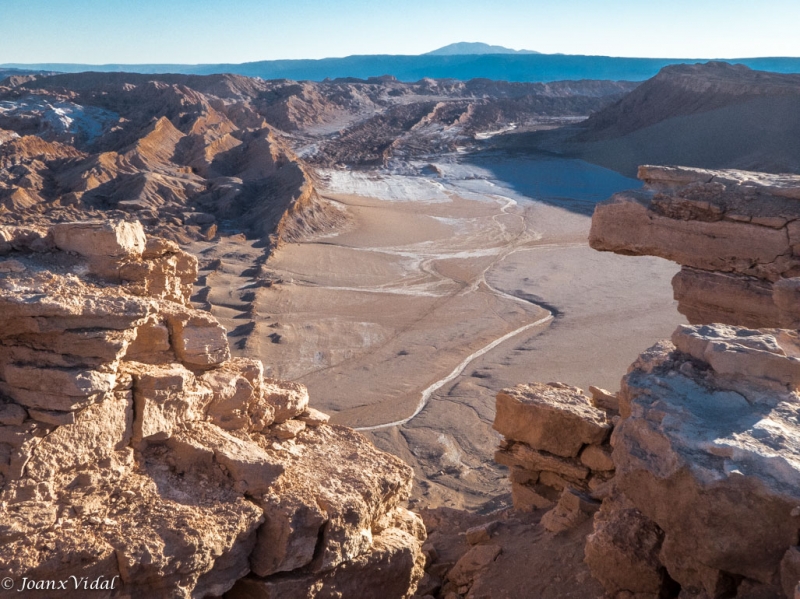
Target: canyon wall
[136,450]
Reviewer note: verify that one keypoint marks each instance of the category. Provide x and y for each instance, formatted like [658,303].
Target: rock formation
[707,469]
[736,235]
[556,443]
[700,485]
[191,156]
[135,450]
[713,115]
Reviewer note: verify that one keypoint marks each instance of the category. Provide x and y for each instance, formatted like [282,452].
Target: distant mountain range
[520,67]
[461,48]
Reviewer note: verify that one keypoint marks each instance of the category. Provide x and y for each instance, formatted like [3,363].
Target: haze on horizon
[235,31]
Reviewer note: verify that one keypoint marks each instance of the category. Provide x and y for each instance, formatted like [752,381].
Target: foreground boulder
[701,491]
[709,450]
[556,447]
[735,233]
[133,446]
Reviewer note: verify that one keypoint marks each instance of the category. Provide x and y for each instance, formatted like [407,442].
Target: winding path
[429,391]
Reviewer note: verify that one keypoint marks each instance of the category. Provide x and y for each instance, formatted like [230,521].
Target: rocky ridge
[711,115]
[134,446]
[194,156]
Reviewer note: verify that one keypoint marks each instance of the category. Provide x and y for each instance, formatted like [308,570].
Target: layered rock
[701,492]
[556,446]
[133,445]
[707,467]
[735,233]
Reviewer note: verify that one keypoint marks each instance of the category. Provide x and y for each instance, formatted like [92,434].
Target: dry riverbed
[444,289]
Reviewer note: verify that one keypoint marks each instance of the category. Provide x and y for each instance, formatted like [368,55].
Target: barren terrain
[357,237]
[441,291]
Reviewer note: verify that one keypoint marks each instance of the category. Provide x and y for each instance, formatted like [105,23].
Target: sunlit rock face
[134,446]
[736,234]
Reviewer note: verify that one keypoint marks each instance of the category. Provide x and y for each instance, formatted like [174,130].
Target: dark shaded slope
[712,115]
[684,90]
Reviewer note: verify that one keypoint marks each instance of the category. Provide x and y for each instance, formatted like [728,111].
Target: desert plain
[446,282]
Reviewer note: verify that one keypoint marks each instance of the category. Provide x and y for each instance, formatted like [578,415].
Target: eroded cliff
[736,235]
[133,446]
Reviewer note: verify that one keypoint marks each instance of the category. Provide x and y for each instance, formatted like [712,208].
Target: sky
[234,31]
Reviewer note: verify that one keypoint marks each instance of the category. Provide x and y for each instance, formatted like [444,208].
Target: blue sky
[203,31]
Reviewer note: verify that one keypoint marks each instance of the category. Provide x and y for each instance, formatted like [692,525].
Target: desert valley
[275,338]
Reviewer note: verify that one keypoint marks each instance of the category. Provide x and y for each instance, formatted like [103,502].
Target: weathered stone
[100,433]
[165,398]
[790,571]
[232,395]
[708,456]
[167,277]
[786,296]
[573,509]
[392,568]
[11,266]
[482,533]
[252,469]
[24,238]
[198,339]
[597,458]
[746,353]
[288,399]
[622,551]
[734,232]
[72,382]
[128,463]
[626,224]
[52,417]
[151,343]
[555,418]
[523,476]
[313,417]
[334,478]
[12,414]
[704,296]
[288,538]
[526,498]
[113,239]
[473,563]
[602,399]
[551,479]
[523,456]
[48,401]
[288,430]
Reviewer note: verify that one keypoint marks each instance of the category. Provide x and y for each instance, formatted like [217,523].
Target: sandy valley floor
[444,289]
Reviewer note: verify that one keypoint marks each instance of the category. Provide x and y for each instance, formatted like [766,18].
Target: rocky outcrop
[133,446]
[700,493]
[556,446]
[735,233]
[707,468]
[706,452]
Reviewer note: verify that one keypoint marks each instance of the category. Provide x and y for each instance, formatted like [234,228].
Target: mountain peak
[475,48]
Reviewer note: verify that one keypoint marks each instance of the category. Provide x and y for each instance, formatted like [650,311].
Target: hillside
[190,154]
[713,115]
